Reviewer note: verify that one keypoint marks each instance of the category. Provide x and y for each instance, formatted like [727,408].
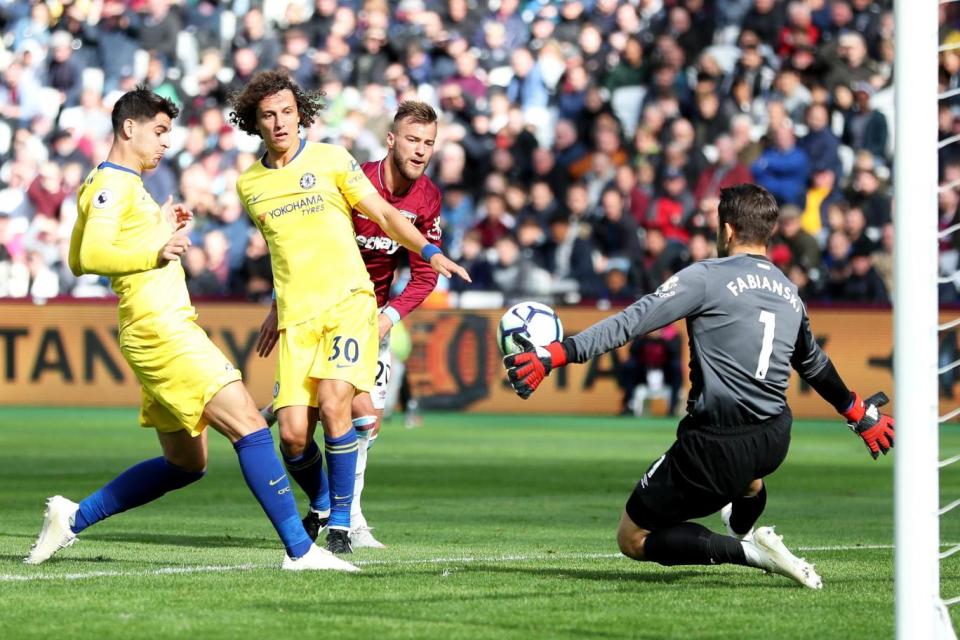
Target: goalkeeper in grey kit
[747,328]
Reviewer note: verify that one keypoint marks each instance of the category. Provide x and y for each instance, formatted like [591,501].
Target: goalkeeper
[747,328]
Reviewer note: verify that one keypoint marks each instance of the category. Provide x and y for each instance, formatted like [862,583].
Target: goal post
[920,612]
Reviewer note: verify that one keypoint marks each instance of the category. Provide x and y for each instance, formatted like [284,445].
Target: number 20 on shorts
[349,351]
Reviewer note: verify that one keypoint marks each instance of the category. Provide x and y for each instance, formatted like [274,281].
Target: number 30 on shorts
[348,350]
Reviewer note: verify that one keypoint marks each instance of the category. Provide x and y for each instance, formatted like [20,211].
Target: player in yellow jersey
[300,195]
[122,233]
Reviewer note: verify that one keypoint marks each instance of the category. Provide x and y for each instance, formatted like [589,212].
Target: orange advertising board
[66,354]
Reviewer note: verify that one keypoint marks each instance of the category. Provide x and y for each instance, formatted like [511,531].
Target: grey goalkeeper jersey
[746,328]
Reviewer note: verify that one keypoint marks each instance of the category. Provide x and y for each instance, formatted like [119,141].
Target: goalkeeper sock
[691,543]
[138,485]
[308,472]
[363,426]
[746,511]
[342,463]
[265,476]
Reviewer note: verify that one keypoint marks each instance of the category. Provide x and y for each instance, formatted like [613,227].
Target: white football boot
[317,559]
[55,534]
[725,517]
[767,552]
[361,538]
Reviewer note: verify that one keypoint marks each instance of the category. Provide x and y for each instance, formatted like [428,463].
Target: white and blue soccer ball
[535,321]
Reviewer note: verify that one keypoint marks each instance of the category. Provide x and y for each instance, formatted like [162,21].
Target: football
[537,322]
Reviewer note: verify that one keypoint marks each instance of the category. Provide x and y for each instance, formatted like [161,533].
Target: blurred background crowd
[582,143]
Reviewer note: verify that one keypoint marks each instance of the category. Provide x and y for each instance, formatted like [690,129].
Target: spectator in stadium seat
[822,193]
[836,262]
[472,259]
[527,87]
[637,199]
[803,247]
[727,171]
[615,232]
[517,275]
[63,69]
[820,144]
[64,150]
[568,253]
[866,192]
[864,284]
[882,258]
[789,90]
[670,209]
[200,280]
[254,278]
[495,222]
[46,192]
[865,128]
[783,168]
[159,28]
[851,64]
[799,30]
[253,35]
[765,19]
[542,205]
[631,70]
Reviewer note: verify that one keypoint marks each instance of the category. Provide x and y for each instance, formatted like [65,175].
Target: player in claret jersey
[398,178]
[301,195]
[747,329]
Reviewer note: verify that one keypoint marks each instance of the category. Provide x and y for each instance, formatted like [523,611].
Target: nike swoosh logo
[253,199]
[273,482]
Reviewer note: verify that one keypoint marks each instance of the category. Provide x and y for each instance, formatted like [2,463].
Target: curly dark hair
[266,83]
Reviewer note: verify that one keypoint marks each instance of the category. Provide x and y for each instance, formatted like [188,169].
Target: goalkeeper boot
[725,518]
[55,534]
[317,559]
[767,552]
[338,541]
[361,538]
[314,523]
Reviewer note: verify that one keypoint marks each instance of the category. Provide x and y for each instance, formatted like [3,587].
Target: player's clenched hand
[865,420]
[447,267]
[527,369]
[268,333]
[176,246]
[176,214]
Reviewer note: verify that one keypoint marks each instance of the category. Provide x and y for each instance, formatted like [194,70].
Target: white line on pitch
[28,577]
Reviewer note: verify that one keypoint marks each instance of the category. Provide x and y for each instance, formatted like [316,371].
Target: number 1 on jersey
[769,322]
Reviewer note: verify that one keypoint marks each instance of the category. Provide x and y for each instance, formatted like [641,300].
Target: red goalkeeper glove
[865,420]
[527,369]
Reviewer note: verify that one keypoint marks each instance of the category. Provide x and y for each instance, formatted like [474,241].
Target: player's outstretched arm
[395,225]
[863,416]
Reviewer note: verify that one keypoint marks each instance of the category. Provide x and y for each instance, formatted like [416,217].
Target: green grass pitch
[497,526]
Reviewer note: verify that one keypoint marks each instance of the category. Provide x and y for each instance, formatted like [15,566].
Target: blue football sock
[307,470]
[141,483]
[342,463]
[268,482]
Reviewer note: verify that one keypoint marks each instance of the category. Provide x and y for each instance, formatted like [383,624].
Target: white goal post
[920,611]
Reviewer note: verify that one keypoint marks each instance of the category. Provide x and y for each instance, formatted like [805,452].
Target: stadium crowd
[582,144]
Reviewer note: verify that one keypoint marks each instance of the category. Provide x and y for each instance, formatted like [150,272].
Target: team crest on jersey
[102,199]
[667,289]
[307,180]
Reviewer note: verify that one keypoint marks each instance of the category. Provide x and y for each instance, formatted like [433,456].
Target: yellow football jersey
[303,210]
[120,229]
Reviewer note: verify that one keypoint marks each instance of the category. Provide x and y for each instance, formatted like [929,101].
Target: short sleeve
[351,180]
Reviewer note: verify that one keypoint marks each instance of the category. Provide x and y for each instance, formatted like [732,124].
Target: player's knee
[293,442]
[631,543]
[335,416]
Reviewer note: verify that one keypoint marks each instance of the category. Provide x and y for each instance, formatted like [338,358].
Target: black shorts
[706,468]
